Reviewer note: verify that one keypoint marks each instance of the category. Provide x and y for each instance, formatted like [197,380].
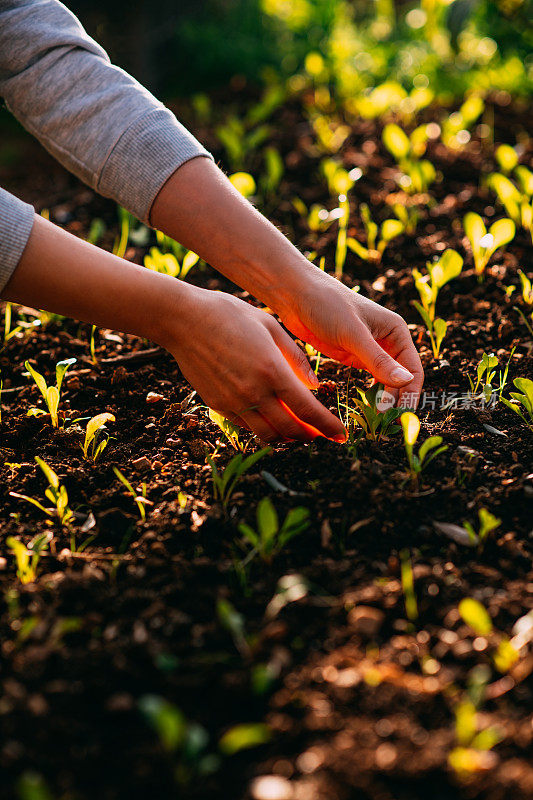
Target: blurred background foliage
[185,47]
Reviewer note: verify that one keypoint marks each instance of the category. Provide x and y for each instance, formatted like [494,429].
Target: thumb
[378,362]
[296,358]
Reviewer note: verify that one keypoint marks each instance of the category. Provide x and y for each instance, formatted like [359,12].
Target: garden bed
[359,696]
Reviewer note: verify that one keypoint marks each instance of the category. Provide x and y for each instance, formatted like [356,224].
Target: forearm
[65,275]
[200,208]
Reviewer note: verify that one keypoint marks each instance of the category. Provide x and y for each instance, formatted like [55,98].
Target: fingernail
[401,375]
[340,438]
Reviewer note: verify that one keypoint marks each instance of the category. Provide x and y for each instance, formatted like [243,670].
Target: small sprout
[233,622]
[485,243]
[269,538]
[274,169]
[485,373]
[475,616]
[390,229]
[140,499]
[230,431]
[418,174]
[244,736]
[168,264]
[244,183]
[224,483]
[27,558]
[517,200]
[439,273]
[506,157]
[96,439]
[523,399]
[527,297]
[51,394]
[487,523]
[56,493]
[427,451]
[376,425]
[408,586]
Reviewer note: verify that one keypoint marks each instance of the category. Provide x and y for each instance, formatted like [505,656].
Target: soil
[359,698]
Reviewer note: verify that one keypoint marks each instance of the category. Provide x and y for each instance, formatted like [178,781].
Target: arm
[199,207]
[239,359]
[98,121]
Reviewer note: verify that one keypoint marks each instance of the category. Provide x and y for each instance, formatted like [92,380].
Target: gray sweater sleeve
[93,117]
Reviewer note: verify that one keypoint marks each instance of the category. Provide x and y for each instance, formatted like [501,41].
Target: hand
[246,367]
[355,331]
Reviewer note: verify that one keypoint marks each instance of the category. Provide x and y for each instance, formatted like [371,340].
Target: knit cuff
[145,156]
[16,222]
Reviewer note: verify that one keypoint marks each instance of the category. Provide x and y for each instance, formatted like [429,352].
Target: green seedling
[485,372]
[408,586]
[342,239]
[522,401]
[230,431]
[274,170]
[338,179]
[455,128]
[377,238]
[427,451]
[527,298]
[185,742]
[487,523]
[140,499]
[517,199]
[168,264]
[475,615]
[485,243]
[507,158]
[439,273]
[330,133]
[224,483]
[376,425]
[270,538]
[56,493]
[51,394]
[27,558]
[96,438]
[473,743]
[418,174]
[240,138]
[408,216]
[22,325]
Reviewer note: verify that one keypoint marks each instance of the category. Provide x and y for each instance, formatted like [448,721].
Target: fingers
[257,423]
[295,357]
[304,408]
[400,346]
[376,360]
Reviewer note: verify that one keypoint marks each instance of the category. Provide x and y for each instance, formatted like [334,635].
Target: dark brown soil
[359,699]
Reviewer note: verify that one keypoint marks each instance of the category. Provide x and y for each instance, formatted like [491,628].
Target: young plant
[51,394]
[522,402]
[140,499]
[96,438]
[517,199]
[230,431]
[487,523]
[455,128]
[527,298]
[376,425]
[269,538]
[439,273]
[418,174]
[28,558]
[485,372]
[390,229]
[168,264]
[427,451]
[56,493]
[224,483]
[485,243]
[408,586]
